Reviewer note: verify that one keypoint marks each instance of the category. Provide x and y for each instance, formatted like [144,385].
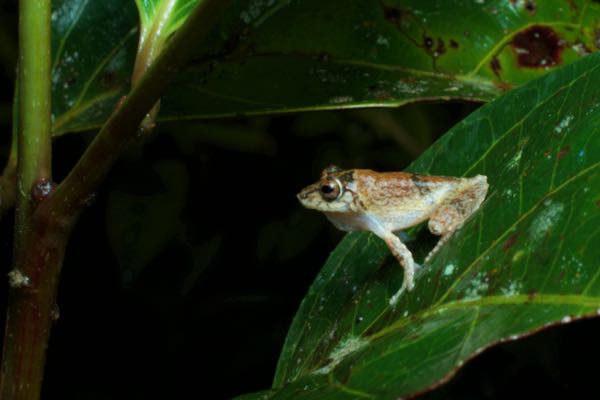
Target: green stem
[152,40]
[27,317]
[34,138]
[39,249]
[80,185]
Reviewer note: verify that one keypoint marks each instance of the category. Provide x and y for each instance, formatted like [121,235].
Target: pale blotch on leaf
[383,41]
[545,220]
[477,287]
[515,161]
[518,255]
[341,99]
[345,347]
[513,289]
[563,124]
[449,269]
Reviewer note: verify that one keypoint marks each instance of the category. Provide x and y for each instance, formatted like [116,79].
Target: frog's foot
[408,283]
[439,245]
[396,296]
[404,257]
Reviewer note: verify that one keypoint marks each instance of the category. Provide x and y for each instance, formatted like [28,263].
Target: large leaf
[280,56]
[140,225]
[283,56]
[526,260]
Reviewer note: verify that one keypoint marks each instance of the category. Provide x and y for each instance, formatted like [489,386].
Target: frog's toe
[395,297]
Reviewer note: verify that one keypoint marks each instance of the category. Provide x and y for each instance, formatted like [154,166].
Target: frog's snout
[302,195]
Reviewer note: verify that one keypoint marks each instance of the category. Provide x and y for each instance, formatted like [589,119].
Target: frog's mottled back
[401,199]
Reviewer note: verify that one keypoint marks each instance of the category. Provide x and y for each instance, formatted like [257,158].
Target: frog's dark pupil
[326,189]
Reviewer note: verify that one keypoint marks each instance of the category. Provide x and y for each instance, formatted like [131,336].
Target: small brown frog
[386,202]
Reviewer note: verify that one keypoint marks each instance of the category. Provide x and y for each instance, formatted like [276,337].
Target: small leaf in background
[93,48]
[527,259]
[138,226]
[204,255]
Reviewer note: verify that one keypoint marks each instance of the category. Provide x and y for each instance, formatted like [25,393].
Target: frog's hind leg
[399,251]
[453,212]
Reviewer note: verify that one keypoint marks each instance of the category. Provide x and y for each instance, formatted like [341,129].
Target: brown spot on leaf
[504,86]
[441,48]
[324,57]
[537,47]
[547,152]
[510,242]
[530,6]
[531,295]
[378,92]
[453,44]
[394,15]
[598,203]
[427,42]
[495,66]
[70,81]
[563,152]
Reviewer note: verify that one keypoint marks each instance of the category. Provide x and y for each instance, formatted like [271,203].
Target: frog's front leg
[455,209]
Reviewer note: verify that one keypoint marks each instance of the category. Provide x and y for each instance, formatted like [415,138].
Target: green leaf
[274,56]
[139,225]
[528,259]
[93,49]
[161,18]
[285,56]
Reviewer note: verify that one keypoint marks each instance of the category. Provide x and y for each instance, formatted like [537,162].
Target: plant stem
[79,186]
[34,129]
[27,320]
[39,249]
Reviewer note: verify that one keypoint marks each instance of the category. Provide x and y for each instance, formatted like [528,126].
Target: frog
[385,203]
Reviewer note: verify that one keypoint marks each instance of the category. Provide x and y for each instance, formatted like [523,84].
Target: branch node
[42,189]
[16,279]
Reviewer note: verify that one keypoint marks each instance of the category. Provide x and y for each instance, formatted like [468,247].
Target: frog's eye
[330,190]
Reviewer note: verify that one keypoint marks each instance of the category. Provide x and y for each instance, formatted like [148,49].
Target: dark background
[209,312]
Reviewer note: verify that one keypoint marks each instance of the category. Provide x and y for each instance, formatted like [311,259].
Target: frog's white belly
[362,221]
